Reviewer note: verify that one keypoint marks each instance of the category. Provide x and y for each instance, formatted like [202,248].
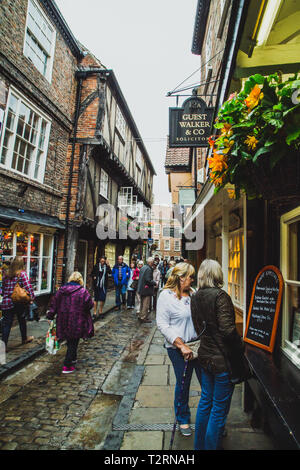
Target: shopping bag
[52,343]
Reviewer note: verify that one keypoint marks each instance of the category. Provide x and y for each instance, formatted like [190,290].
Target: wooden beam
[269,59]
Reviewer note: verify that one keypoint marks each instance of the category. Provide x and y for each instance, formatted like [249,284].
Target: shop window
[235,268]
[25,138]
[290,268]
[110,253]
[39,40]
[37,252]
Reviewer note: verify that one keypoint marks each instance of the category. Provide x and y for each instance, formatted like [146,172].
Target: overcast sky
[148,46]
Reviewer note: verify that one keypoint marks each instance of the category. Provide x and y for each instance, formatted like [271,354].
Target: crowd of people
[183,315]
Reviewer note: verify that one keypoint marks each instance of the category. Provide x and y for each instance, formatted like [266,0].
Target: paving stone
[142,440]
[155,375]
[159,397]
[10,446]
[154,360]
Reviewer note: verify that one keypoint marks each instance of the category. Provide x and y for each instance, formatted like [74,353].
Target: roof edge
[202,11]
[63,27]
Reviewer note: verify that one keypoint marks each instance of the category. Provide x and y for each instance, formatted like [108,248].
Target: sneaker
[185,431]
[68,370]
[74,362]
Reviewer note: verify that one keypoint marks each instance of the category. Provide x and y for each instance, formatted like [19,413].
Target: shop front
[36,244]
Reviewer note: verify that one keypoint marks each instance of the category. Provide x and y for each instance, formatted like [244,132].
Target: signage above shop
[190,126]
[264,309]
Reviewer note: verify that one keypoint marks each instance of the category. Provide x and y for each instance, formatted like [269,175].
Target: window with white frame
[104,181]
[37,252]
[166,231]
[125,197]
[290,268]
[176,245]
[156,229]
[235,268]
[120,123]
[167,245]
[25,138]
[39,40]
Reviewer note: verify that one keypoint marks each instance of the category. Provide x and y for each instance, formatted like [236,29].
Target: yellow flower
[254,97]
[251,141]
[217,164]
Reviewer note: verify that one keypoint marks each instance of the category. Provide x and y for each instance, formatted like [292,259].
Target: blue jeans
[213,408]
[121,291]
[181,399]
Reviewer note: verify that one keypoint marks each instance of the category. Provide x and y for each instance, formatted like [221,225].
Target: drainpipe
[80,76]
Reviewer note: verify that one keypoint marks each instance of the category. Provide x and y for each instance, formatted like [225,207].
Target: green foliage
[258,126]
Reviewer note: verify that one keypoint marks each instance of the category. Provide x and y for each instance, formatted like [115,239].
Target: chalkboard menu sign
[264,308]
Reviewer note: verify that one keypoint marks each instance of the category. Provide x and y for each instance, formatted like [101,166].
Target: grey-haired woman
[213,306]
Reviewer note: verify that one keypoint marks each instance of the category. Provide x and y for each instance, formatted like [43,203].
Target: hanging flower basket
[257,150]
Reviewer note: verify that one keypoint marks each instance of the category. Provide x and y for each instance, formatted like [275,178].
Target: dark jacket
[97,274]
[71,305]
[125,274]
[214,307]
[146,283]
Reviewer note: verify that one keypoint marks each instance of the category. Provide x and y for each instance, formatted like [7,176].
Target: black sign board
[264,308]
[190,126]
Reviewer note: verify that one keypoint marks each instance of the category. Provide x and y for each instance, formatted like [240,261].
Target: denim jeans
[181,396]
[8,316]
[213,408]
[121,291]
[71,355]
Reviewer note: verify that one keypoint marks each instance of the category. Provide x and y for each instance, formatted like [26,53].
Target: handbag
[19,294]
[134,284]
[194,346]
[52,342]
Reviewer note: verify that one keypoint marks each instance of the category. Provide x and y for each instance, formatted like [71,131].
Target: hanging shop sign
[264,309]
[190,126]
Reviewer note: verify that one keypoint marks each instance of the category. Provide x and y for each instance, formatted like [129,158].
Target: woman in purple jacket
[72,304]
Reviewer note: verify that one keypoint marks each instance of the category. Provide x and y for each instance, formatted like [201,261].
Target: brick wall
[61,90]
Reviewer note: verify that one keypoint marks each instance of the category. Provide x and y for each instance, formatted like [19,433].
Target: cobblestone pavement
[43,409]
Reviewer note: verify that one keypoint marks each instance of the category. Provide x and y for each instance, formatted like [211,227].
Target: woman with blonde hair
[174,321]
[72,306]
[15,274]
[219,341]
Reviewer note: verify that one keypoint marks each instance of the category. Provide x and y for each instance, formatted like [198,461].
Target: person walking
[145,289]
[131,288]
[171,266]
[156,278]
[174,321]
[100,275]
[121,275]
[213,306]
[163,271]
[15,274]
[71,306]
[135,278]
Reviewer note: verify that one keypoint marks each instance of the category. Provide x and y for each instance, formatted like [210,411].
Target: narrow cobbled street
[43,409]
